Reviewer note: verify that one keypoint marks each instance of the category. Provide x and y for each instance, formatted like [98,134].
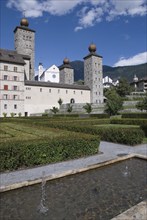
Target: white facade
[48,95]
[11,89]
[108,82]
[49,75]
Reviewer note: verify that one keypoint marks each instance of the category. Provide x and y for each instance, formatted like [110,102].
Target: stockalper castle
[22,95]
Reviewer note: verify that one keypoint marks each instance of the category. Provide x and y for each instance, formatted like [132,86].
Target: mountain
[114,73]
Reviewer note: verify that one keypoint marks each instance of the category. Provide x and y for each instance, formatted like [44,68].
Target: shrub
[134,115]
[99,116]
[16,155]
[12,114]
[132,121]
[4,114]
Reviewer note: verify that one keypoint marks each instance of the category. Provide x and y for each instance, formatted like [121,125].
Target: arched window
[72,101]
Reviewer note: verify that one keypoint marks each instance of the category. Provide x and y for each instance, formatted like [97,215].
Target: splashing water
[126,172]
[42,208]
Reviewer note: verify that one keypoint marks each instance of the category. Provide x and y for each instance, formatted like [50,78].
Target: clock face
[54,76]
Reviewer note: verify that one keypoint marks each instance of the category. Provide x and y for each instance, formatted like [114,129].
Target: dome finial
[92,48]
[66,61]
[24,22]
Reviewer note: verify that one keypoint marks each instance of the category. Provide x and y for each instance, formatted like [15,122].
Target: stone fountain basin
[98,192]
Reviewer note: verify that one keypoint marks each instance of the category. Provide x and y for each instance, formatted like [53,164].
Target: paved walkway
[109,151]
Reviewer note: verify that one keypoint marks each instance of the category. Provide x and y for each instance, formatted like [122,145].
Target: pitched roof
[68,66]
[92,54]
[11,56]
[23,28]
[56,85]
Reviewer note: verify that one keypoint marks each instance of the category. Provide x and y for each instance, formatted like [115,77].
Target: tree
[54,110]
[60,101]
[114,102]
[123,88]
[69,108]
[88,107]
[142,105]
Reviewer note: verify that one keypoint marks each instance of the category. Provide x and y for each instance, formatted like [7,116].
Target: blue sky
[65,28]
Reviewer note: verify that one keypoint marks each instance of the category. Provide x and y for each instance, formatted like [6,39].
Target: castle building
[66,72]
[20,94]
[93,75]
[24,40]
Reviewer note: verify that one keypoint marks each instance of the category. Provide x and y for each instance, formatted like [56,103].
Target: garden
[35,141]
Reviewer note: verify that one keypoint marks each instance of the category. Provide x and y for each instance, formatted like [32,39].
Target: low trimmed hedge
[144,128]
[134,115]
[128,121]
[17,155]
[128,136]
[99,116]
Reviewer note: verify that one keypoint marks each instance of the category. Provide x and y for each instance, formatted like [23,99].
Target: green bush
[144,128]
[17,155]
[134,115]
[129,136]
[128,121]
[99,116]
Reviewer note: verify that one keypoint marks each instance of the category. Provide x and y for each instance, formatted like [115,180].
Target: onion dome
[66,61]
[92,48]
[24,22]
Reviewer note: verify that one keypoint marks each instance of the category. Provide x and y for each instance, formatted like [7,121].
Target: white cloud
[89,12]
[78,28]
[135,60]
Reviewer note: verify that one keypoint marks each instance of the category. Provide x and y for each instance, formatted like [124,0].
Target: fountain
[101,192]
[42,208]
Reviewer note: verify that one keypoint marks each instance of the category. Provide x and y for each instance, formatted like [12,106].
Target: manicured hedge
[128,121]
[129,136]
[144,128]
[17,155]
[99,116]
[134,115]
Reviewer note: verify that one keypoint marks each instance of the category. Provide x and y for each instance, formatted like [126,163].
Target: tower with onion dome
[66,72]
[25,44]
[93,75]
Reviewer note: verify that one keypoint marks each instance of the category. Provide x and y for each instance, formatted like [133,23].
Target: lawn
[11,131]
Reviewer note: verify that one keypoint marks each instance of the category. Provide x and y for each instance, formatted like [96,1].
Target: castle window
[58,90]
[40,89]
[15,97]
[5,106]
[15,88]
[5,96]
[5,68]
[66,91]
[11,56]
[15,78]
[15,106]
[5,87]
[81,92]
[5,77]
[50,90]
[74,92]
[15,69]
[96,93]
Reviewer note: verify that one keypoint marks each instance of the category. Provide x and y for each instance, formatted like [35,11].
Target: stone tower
[25,44]
[66,72]
[93,75]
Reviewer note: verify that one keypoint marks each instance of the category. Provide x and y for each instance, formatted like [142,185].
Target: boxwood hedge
[18,154]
